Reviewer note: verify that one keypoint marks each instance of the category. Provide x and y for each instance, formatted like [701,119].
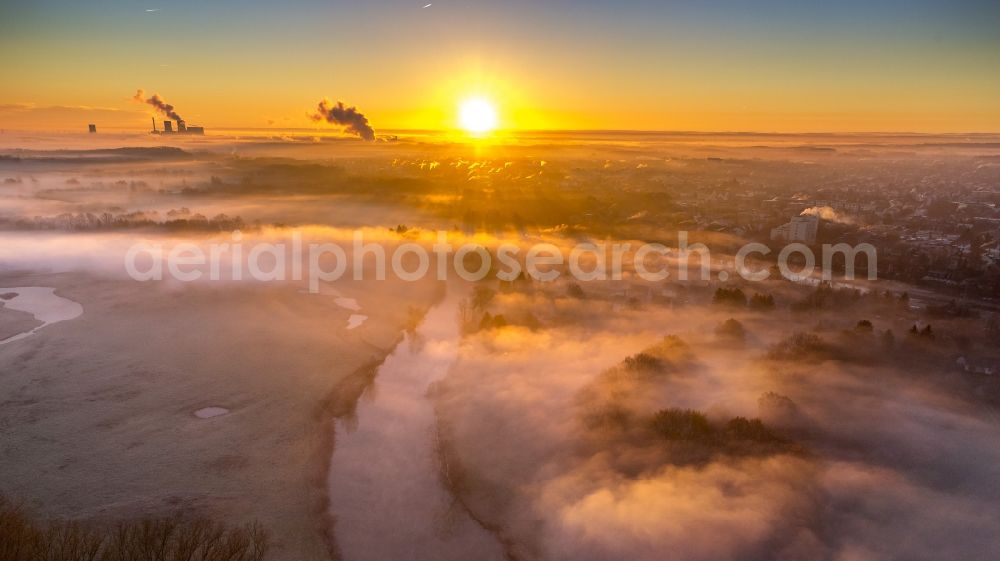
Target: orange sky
[585,65]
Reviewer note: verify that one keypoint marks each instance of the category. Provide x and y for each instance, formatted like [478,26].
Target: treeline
[827,297]
[735,297]
[622,416]
[89,221]
[738,436]
[475,316]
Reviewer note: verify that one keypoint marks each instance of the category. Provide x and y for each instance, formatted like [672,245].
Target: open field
[566,419]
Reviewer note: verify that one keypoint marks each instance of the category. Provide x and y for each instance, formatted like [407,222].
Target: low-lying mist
[704,419]
[576,438]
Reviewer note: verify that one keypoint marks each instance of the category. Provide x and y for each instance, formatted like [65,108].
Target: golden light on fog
[477,116]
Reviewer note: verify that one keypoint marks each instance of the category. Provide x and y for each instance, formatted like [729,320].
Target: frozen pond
[209,412]
[386,497]
[40,302]
[347,303]
[356,320]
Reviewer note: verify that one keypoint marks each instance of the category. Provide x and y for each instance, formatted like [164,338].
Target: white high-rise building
[800,229]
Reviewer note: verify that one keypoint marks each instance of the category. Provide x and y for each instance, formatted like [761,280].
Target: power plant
[182,128]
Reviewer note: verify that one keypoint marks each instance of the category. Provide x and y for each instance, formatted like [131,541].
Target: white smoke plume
[827,213]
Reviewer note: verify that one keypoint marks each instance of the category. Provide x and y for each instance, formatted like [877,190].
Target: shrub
[641,362]
[614,416]
[695,440]
[682,424]
[761,302]
[827,297]
[490,321]
[22,538]
[799,346]
[777,408]
[925,333]
[481,297]
[731,329]
[888,339]
[729,297]
[741,428]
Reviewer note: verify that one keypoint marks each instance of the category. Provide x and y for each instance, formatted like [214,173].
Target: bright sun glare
[477,116]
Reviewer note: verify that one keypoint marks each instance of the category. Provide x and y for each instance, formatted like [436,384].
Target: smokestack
[154,124]
[92,128]
[157,102]
[181,126]
[349,117]
[168,126]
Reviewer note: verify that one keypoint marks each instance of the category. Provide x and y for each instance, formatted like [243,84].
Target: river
[386,497]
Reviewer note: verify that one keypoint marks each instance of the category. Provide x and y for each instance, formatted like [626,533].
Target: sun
[477,116]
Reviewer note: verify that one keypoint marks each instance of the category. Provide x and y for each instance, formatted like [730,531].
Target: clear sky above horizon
[770,65]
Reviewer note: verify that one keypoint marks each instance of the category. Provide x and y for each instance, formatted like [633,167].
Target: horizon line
[502,132]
